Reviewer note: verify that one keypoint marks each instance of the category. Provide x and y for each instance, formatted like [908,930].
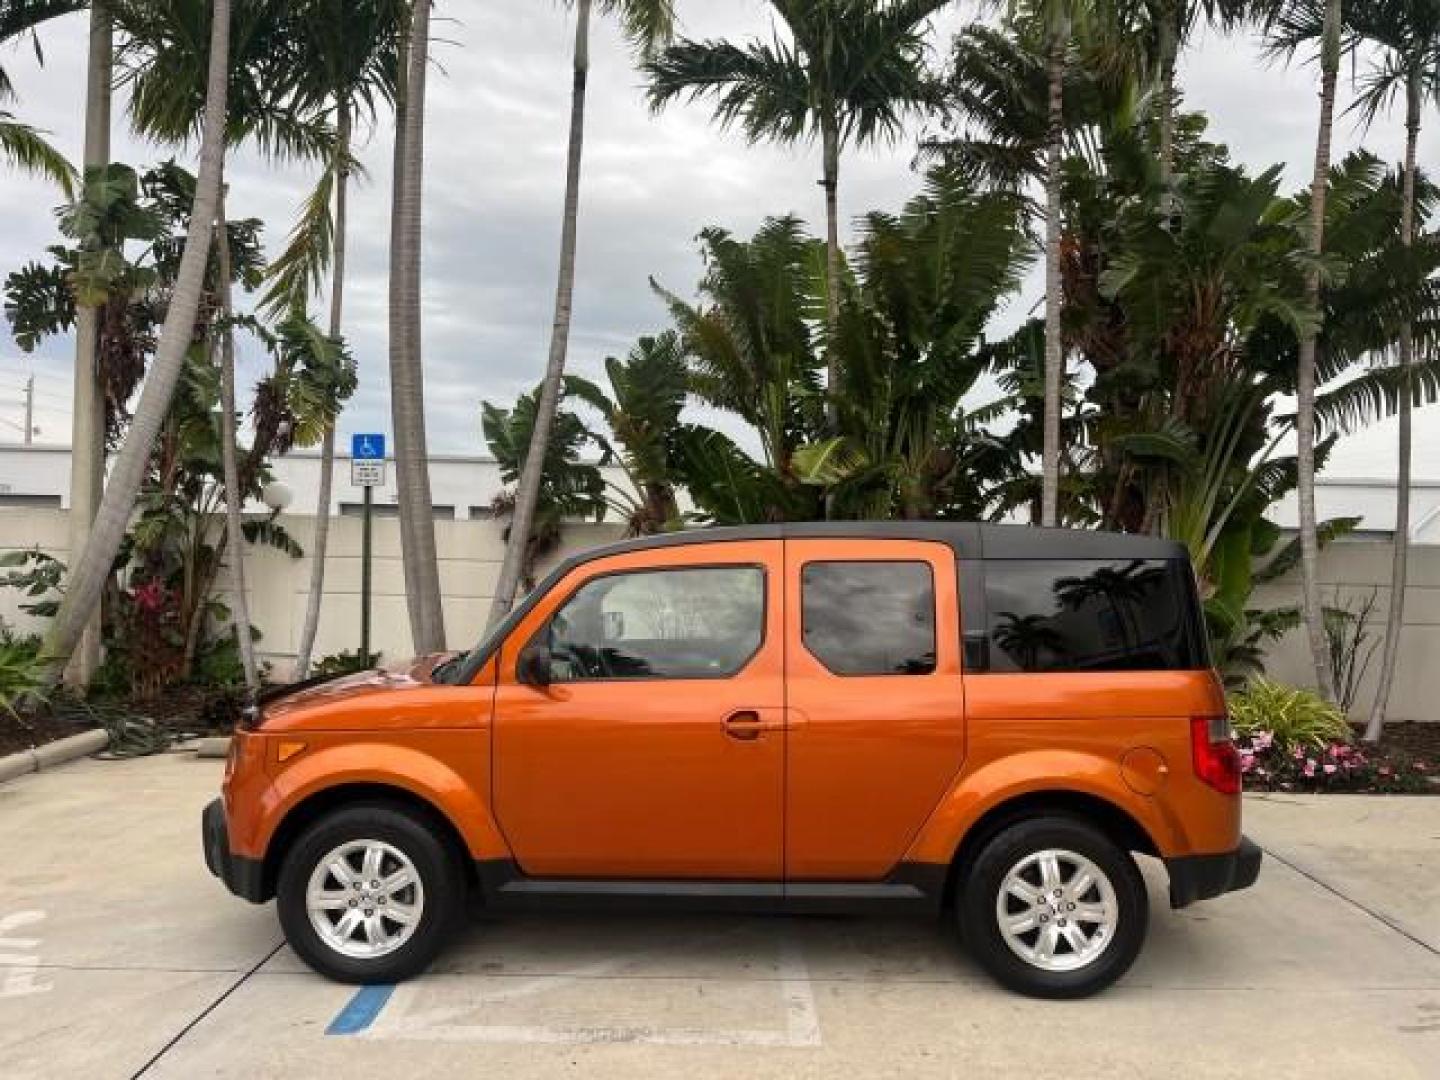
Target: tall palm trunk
[87,422]
[830,150]
[527,496]
[321,542]
[1305,375]
[1169,33]
[407,377]
[234,493]
[1399,569]
[1054,349]
[90,570]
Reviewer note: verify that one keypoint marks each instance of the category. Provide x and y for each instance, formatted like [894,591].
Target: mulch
[180,710]
[34,729]
[1414,738]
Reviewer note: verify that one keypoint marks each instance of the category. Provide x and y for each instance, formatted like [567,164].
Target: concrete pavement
[122,956]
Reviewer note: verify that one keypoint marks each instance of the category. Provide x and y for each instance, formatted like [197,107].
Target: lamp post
[276,495]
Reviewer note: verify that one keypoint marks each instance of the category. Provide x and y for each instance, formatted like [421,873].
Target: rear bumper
[1200,877]
[243,877]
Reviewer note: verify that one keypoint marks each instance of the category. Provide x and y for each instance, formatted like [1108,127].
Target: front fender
[453,778]
[979,791]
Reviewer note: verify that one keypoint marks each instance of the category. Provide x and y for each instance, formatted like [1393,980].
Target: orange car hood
[386,697]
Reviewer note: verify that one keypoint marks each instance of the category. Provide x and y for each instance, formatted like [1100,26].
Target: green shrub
[218,665]
[343,663]
[1292,716]
[21,675]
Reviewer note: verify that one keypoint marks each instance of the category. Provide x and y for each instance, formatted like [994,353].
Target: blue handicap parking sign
[367,447]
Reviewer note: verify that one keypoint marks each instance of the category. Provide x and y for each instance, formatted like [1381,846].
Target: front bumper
[243,877]
[1200,877]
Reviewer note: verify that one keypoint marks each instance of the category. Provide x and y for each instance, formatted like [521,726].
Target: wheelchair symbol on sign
[369,447]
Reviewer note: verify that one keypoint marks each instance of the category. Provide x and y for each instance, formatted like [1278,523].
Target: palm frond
[25,148]
[298,273]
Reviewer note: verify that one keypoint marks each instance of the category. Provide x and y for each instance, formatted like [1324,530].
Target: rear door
[658,749]
[875,701]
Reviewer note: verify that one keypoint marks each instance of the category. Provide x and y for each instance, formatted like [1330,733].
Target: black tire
[436,865]
[980,894]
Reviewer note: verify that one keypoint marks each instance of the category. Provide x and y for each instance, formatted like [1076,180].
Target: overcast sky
[496,129]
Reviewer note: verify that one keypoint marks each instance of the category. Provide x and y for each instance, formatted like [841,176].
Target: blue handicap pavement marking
[360,1012]
[368,447]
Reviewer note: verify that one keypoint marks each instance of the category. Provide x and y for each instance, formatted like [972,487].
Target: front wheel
[1053,908]
[368,894]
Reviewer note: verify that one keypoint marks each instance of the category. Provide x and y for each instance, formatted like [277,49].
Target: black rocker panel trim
[914,887]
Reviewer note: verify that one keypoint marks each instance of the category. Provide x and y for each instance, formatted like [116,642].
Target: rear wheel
[368,894]
[1053,908]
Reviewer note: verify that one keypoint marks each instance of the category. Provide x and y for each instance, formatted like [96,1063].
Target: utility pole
[87,430]
[29,410]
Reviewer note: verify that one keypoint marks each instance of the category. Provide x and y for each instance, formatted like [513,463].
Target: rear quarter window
[1092,615]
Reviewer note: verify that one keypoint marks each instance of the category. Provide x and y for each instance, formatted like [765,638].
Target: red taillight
[1217,762]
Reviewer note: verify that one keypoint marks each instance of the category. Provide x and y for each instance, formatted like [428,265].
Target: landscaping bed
[1402,763]
[1415,738]
[28,731]
[176,713]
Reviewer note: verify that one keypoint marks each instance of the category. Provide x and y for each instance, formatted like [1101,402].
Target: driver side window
[691,623]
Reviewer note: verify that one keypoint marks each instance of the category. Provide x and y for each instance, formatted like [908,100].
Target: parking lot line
[360,1011]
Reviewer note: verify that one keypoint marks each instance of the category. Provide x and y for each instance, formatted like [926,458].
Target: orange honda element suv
[917,717]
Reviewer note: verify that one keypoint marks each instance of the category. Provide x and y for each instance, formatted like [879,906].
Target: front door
[875,701]
[657,751]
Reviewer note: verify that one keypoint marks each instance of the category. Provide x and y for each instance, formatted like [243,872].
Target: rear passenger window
[870,618]
[705,622]
[1091,615]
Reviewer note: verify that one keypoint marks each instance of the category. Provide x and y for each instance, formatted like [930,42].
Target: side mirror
[533,666]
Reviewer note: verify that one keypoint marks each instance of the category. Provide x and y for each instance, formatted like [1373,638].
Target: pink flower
[1384,770]
[1247,761]
[1297,753]
[1329,769]
[150,597]
[1420,766]
[1309,769]
[1262,740]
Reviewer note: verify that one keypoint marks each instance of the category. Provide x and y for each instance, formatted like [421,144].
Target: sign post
[367,472]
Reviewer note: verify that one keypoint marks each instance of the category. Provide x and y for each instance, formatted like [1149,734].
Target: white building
[461,487]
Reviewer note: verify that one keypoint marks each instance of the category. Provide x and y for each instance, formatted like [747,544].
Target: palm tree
[1153,34]
[90,571]
[646,23]
[407,378]
[642,411]
[347,63]
[1408,33]
[1311,605]
[21,145]
[165,73]
[87,431]
[850,74]
[1056,24]
[928,279]
[230,468]
[571,488]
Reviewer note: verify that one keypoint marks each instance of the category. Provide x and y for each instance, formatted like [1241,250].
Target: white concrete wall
[469,553]
[1351,570]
